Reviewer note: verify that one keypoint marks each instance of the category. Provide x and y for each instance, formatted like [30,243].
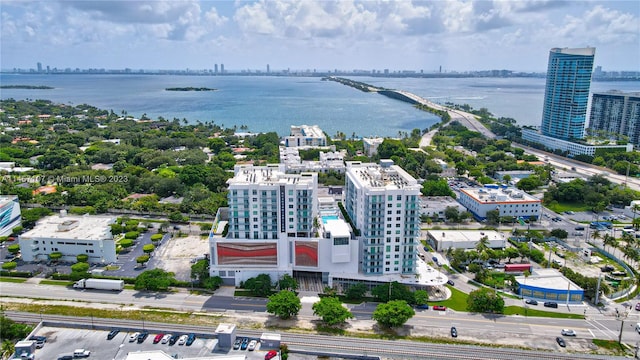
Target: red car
[439,308]
[158,338]
[270,355]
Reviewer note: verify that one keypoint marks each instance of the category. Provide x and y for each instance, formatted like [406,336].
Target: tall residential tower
[567,92]
[383,202]
[616,113]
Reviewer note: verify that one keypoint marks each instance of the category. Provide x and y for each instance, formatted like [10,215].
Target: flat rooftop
[548,279]
[501,195]
[464,235]
[268,175]
[383,176]
[72,227]
[5,199]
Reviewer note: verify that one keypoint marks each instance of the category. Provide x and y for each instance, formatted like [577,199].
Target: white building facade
[70,236]
[383,204]
[275,227]
[571,148]
[9,214]
[306,136]
[510,202]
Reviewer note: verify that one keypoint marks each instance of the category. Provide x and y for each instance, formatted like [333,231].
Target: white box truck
[99,284]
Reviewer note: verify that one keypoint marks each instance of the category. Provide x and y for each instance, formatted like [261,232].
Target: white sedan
[252,345]
[133,337]
[568,332]
[165,339]
[182,340]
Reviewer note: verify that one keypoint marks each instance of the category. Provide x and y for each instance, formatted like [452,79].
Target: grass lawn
[12,279]
[57,282]
[610,345]
[518,310]
[562,207]
[457,301]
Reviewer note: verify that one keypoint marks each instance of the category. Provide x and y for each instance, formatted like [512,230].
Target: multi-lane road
[508,330]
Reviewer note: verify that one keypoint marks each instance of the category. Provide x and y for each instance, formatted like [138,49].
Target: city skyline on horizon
[429,36]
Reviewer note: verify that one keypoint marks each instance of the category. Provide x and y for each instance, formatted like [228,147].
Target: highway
[389,349]
[522,331]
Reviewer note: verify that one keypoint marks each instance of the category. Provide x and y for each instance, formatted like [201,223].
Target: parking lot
[64,341]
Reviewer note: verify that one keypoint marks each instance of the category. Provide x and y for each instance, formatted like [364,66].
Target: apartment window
[399,197]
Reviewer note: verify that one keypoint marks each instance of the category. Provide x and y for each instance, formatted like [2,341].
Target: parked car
[183,339]
[174,338]
[270,355]
[252,345]
[439,308]
[65,357]
[422,306]
[638,307]
[38,338]
[568,332]
[190,339]
[450,282]
[454,332]
[166,338]
[607,268]
[560,341]
[133,337]
[142,337]
[112,334]
[531,302]
[81,353]
[551,304]
[236,344]
[158,338]
[245,344]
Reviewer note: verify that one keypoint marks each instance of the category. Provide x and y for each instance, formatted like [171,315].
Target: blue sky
[323,35]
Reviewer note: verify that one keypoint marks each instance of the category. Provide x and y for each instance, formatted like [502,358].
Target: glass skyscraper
[567,92]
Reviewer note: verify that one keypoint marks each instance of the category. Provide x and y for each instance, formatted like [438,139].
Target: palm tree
[483,244]
[635,208]
[609,240]
[595,235]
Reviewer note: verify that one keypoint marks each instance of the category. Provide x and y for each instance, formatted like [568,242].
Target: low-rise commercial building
[510,202]
[441,240]
[549,285]
[572,149]
[435,206]
[70,236]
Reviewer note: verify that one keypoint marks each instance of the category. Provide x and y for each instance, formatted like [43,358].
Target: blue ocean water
[267,103]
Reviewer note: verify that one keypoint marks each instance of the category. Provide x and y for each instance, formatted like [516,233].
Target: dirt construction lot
[175,255]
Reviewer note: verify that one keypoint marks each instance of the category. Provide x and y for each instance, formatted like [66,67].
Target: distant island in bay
[190,88]
[29,87]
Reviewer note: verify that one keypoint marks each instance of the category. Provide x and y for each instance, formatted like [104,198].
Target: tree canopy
[154,280]
[331,310]
[485,300]
[284,304]
[393,314]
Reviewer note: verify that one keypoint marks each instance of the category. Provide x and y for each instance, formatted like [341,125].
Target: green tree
[356,291]
[451,213]
[397,292]
[148,248]
[260,285]
[212,282]
[131,235]
[284,304]
[559,233]
[154,280]
[55,256]
[331,311]
[156,237]
[200,271]
[287,282]
[80,267]
[393,314]
[9,265]
[82,258]
[421,297]
[485,300]
[126,243]
[142,259]
[10,332]
[13,249]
